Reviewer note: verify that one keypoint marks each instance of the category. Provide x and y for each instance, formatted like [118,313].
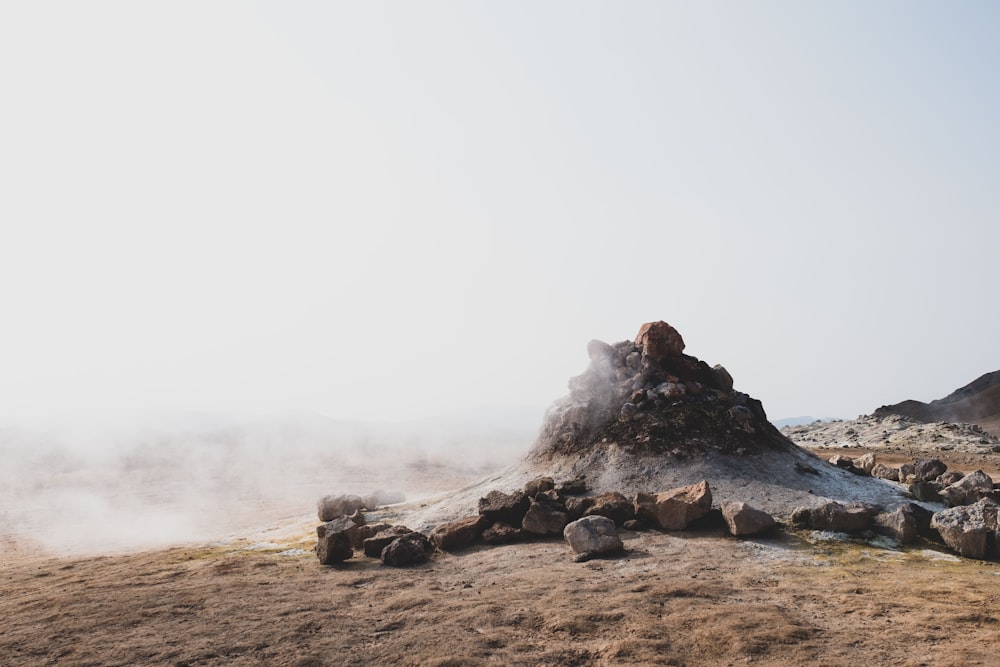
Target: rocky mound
[644,417]
[976,403]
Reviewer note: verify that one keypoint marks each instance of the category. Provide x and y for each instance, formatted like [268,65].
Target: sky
[389,210]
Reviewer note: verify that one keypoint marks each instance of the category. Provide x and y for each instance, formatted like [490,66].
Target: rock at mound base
[742,519]
[506,508]
[593,536]
[675,509]
[411,549]
[459,534]
[969,529]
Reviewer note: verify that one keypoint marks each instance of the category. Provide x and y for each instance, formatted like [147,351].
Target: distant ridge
[976,403]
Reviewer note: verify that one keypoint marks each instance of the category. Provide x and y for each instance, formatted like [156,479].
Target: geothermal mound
[976,403]
[645,417]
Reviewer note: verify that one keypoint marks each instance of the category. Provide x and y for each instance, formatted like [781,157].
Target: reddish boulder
[658,341]
[675,509]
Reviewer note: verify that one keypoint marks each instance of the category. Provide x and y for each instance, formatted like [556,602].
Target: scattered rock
[675,509]
[926,492]
[613,505]
[374,545]
[834,516]
[593,536]
[968,490]
[544,518]
[539,485]
[949,478]
[362,533]
[502,533]
[577,506]
[334,543]
[411,549]
[865,462]
[459,534]
[506,508]
[970,530]
[742,519]
[927,469]
[840,461]
[885,472]
[572,487]
[905,524]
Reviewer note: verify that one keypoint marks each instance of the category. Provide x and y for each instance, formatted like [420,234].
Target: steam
[101,488]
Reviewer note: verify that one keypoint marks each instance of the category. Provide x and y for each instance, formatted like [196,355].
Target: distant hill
[800,421]
[976,403]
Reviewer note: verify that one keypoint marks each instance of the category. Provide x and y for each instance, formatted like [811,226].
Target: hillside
[976,403]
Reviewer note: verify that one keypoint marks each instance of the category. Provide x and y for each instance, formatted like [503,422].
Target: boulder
[362,533]
[330,507]
[658,341]
[905,524]
[969,530]
[907,473]
[927,469]
[593,536]
[613,505]
[577,506]
[834,516]
[742,519]
[723,380]
[374,545]
[459,534]
[926,492]
[544,518]
[885,472]
[539,485]
[502,533]
[949,478]
[334,543]
[844,462]
[968,490]
[675,509]
[408,550]
[865,462]
[506,508]
[572,487]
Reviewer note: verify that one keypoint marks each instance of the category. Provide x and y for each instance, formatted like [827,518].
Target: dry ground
[674,599]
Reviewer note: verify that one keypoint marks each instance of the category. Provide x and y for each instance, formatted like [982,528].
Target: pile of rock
[927,480]
[345,529]
[649,396]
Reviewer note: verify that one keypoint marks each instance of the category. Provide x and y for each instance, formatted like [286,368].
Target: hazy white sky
[386,210]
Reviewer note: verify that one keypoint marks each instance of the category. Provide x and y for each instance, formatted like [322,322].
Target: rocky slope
[894,433]
[976,403]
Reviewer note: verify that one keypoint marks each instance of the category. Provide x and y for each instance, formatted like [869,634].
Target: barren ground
[676,599]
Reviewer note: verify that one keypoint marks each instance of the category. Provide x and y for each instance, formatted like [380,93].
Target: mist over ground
[154,481]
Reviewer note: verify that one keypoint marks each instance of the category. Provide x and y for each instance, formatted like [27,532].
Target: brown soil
[675,599]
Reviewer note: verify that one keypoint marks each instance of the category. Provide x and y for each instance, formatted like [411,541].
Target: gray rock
[506,508]
[840,461]
[577,506]
[459,534]
[675,509]
[969,530]
[593,536]
[544,518]
[949,478]
[905,524]
[742,519]
[968,490]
